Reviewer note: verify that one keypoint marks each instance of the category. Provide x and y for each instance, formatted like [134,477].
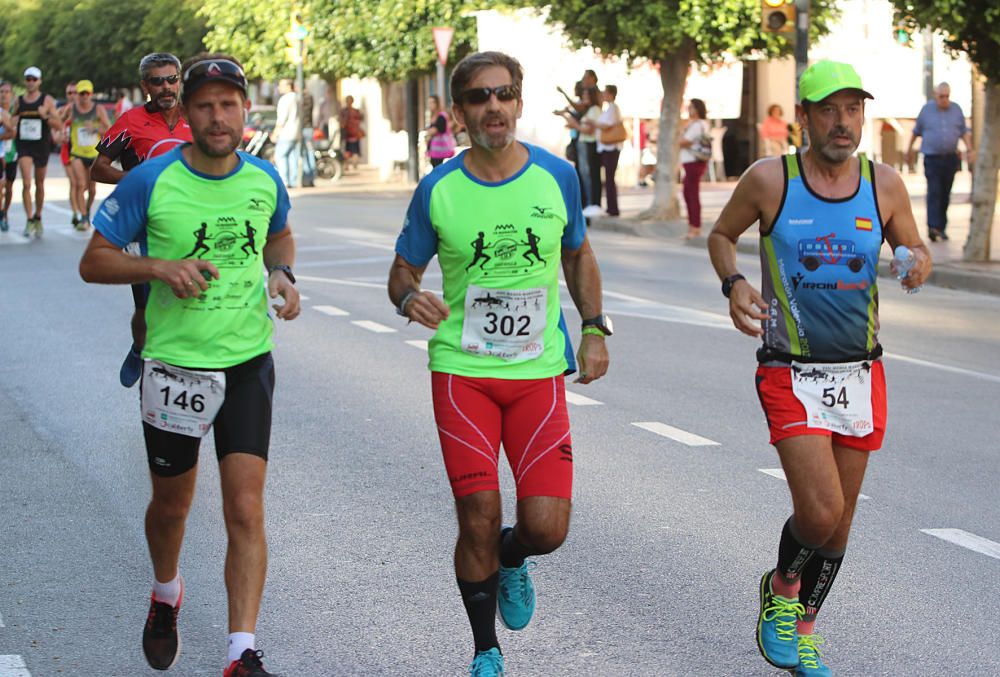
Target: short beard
[838,155]
[161,108]
[210,152]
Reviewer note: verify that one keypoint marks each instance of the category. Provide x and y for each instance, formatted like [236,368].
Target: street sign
[442,41]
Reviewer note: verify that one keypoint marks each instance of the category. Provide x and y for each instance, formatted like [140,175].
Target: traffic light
[901,33]
[295,37]
[777,16]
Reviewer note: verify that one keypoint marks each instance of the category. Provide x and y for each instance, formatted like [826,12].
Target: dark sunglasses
[30,78]
[158,80]
[479,95]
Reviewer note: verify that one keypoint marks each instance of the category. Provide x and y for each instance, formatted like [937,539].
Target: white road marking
[983,546]
[580,400]
[303,297]
[340,262]
[418,344]
[12,665]
[780,474]
[945,367]
[59,210]
[675,434]
[374,326]
[1,622]
[12,238]
[332,311]
[348,283]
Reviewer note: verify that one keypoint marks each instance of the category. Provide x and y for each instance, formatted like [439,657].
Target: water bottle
[903,260]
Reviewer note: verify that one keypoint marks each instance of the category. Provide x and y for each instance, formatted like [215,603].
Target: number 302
[831,400]
[507,324]
[196,402]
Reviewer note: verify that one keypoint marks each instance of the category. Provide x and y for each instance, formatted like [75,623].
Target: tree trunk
[673,77]
[984,179]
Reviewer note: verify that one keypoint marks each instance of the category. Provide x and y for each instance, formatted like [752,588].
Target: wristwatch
[283,268]
[727,284]
[601,323]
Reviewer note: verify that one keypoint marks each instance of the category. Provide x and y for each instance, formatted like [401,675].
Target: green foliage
[390,39]
[969,26]
[100,40]
[655,30]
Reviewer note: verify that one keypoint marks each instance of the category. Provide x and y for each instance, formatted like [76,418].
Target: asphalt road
[659,574]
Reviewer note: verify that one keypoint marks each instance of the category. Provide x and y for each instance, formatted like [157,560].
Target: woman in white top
[609,152]
[588,162]
[693,145]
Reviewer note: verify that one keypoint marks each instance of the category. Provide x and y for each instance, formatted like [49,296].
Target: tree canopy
[968,26]
[100,40]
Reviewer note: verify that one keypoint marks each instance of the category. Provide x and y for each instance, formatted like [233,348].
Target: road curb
[948,275]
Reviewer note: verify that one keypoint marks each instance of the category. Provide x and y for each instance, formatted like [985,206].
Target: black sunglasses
[158,80]
[30,78]
[478,95]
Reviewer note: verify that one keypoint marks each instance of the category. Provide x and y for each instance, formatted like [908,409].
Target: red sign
[442,41]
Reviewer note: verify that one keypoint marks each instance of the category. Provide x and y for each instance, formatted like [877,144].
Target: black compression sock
[792,554]
[817,579]
[512,550]
[480,600]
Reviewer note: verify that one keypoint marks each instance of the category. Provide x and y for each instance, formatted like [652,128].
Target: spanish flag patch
[862,224]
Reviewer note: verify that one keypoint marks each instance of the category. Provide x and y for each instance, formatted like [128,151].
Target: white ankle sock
[238,643]
[168,593]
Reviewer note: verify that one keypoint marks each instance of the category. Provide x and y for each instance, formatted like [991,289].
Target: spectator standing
[287,130]
[123,105]
[609,145]
[940,124]
[441,142]
[588,162]
[774,132]
[308,152]
[695,152]
[351,131]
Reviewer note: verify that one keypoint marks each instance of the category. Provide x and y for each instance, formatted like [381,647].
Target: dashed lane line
[12,665]
[676,434]
[418,344]
[581,400]
[1,622]
[332,311]
[780,474]
[374,326]
[983,546]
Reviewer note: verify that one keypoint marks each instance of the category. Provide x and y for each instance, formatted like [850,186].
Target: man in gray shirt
[941,124]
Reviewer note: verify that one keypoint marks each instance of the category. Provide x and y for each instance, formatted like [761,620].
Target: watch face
[609,325]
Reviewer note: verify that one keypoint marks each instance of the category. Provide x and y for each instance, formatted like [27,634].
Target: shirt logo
[862,224]
[542,213]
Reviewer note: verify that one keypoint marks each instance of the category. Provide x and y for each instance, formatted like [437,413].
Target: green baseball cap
[825,77]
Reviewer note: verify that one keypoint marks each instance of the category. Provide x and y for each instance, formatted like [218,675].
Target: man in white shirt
[286,134]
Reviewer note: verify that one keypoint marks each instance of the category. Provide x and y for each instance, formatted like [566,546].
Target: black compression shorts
[243,424]
[38,151]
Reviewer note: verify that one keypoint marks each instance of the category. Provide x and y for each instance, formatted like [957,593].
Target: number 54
[831,400]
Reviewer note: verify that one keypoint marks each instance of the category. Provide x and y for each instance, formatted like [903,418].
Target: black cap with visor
[212,70]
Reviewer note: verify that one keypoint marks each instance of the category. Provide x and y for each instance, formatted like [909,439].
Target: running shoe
[4,226]
[810,664]
[75,220]
[29,228]
[131,368]
[515,595]
[38,226]
[487,664]
[249,665]
[776,636]
[161,642]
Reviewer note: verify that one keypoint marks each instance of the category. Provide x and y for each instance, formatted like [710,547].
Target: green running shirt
[175,213]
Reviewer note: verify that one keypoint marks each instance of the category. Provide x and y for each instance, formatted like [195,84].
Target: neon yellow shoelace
[784,613]
[809,652]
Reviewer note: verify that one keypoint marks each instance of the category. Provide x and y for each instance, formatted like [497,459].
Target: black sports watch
[283,268]
[727,284]
[601,322]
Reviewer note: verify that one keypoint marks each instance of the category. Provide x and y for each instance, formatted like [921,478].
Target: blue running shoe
[776,636]
[809,663]
[516,597]
[131,368]
[487,664]
[4,226]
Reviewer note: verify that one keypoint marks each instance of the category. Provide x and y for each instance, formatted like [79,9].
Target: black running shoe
[160,640]
[249,665]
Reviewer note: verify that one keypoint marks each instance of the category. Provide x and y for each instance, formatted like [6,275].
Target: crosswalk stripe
[418,344]
[374,326]
[332,311]
[12,665]
[780,474]
[676,434]
[983,546]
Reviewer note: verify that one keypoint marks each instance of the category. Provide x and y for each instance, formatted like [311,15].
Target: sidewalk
[949,269]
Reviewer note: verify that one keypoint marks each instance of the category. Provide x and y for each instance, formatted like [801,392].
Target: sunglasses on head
[158,80]
[30,78]
[478,95]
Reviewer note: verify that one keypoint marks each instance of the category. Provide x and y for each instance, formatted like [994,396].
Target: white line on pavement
[374,326]
[983,546]
[340,262]
[60,210]
[332,311]
[348,283]
[303,297]
[12,665]
[418,344]
[944,367]
[1,622]
[675,434]
[580,400]
[780,474]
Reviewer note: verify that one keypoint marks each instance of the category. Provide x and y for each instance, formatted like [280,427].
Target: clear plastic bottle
[902,261]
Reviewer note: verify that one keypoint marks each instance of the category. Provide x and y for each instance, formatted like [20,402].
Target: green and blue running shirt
[175,212]
[499,246]
[819,264]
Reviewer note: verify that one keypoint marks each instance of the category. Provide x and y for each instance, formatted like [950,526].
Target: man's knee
[820,522]
[542,537]
[244,511]
[479,520]
[169,507]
